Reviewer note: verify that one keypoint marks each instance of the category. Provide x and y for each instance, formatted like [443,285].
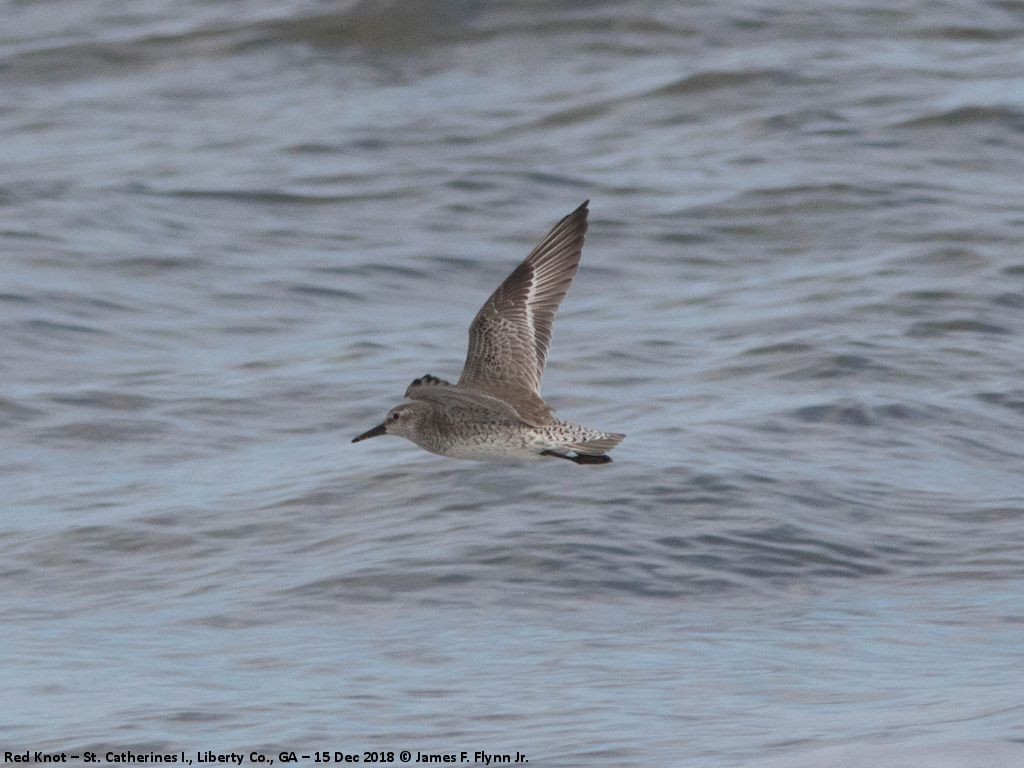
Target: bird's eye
[394,417]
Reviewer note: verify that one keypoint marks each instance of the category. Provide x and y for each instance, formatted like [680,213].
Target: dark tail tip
[586,458]
[581,458]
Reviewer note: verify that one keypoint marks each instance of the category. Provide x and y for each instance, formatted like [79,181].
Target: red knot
[495,411]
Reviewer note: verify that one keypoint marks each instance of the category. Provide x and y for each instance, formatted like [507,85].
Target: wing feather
[509,338]
[460,402]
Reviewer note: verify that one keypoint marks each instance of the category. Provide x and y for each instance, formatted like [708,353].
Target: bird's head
[402,420]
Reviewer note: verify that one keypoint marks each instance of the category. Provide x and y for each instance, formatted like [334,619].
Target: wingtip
[581,212]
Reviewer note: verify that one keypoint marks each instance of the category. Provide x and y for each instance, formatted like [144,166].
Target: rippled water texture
[232,233]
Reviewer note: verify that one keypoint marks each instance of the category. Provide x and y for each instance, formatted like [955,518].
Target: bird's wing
[422,384]
[508,340]
[460,403]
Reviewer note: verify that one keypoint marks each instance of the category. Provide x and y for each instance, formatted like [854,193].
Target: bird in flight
[495,411]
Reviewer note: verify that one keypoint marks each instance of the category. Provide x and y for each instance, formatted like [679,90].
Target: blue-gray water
[232,233]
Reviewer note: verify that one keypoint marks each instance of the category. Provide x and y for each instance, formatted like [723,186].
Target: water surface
[232,234]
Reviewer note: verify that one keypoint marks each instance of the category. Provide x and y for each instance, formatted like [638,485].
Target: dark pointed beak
[375,432]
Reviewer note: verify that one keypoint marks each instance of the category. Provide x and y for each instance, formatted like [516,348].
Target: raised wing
[509,338]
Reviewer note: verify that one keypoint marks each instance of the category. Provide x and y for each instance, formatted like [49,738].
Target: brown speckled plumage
[495,411]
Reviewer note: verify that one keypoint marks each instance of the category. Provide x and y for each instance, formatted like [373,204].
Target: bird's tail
[595,443]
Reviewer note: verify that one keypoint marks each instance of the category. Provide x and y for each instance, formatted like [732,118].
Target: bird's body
[495,411]
[461,423]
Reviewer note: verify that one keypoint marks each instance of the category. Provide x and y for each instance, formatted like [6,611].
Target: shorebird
[495,411]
